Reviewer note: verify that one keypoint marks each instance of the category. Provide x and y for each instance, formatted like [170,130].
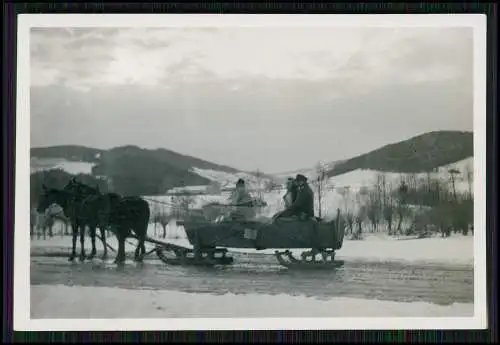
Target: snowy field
[398,279]
[163,304]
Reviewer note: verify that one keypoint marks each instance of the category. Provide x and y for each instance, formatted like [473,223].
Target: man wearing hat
[303,206]
[242,202]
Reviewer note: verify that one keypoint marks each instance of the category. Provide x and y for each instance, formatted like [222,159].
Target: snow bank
[88,302]
[451,251]
[457,250]
[64,243]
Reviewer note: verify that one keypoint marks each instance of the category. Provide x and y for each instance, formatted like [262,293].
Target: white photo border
[21,291]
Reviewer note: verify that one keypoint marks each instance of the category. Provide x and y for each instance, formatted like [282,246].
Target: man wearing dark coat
[303,206]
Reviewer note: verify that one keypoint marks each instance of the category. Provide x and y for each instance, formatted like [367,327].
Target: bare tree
[349,219]
[469,174]
[345,193]
[388,205]
[382,187]
[371,199]
[453,175]
[359,220]
[321,184]
[411,181]
[259,180]
[402,203]
[162,218]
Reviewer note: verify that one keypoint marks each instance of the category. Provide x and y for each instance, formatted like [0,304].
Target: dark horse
[88,212]
[70,205]
[121,215]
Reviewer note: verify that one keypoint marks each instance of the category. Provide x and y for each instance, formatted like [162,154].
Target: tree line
[410,206]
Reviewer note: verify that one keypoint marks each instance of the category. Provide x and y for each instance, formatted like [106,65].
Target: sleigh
[211,240]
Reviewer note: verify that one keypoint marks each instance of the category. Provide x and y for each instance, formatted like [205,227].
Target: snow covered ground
[86,302]
[456,249]
[122,303]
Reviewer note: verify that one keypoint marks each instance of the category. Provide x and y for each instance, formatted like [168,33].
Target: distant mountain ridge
[134,170]
[422,153]
[89,154]
[153,171]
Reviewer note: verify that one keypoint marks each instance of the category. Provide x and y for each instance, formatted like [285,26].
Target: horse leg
[140,250]
[120,256]
[103,239]
[82,242]
[137,256]
[92,239]
[74,228]
[143,247]
[141,233]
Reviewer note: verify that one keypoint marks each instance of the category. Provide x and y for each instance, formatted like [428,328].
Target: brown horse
[124,216]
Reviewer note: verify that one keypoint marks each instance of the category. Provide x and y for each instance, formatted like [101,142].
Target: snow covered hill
[228,180]
[311,173]
[71,167]
[332,197]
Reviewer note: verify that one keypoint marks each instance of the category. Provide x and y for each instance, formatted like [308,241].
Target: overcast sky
[275,99]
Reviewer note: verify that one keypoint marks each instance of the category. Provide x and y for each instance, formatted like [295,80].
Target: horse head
[79,189]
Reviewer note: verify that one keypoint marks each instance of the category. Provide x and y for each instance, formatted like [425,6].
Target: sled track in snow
[260,273]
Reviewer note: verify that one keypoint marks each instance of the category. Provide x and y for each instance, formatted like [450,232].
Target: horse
[128,214]
[89,211]
[78,192]
[119,214]
[95,213]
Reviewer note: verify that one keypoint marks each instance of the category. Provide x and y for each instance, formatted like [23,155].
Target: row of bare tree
[412,206]
[415,205]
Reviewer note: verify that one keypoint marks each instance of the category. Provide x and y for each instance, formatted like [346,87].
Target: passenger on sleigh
[291,192]
[242,202]
[303,206]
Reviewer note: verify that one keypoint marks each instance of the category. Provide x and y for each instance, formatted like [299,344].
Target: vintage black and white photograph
[321,169]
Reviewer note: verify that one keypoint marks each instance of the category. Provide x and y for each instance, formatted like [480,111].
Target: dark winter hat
[240,182]
[301,177]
